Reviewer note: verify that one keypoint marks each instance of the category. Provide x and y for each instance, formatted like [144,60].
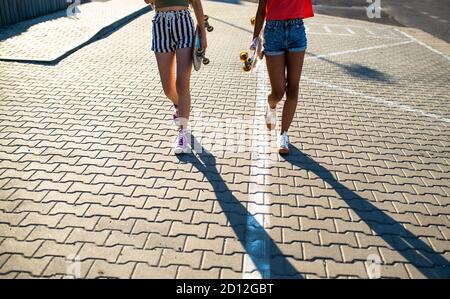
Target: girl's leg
[166,66]
[294,71]
[276,66]
[184,69]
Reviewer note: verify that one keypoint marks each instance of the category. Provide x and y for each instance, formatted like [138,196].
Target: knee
[169,93]
[292,91]
[278,94]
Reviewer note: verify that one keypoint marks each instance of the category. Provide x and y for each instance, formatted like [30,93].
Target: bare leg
[166,66]
[294,71]
[184,69]
[276,67]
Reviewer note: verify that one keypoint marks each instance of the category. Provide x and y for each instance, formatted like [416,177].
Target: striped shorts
[172,30]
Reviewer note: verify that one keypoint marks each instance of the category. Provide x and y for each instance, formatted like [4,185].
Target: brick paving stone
[105,269]
[144,271]
[170,257]
[151,257]
[91,251]
[51,248]
[25,248]
[188,273]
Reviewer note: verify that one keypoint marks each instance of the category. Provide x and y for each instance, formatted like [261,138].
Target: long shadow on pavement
[263,251]
[417,252]
[359,70]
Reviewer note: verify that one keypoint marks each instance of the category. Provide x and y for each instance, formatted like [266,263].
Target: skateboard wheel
[200,52]
[206,17]
[210,28]
[205,61]
[247,68]
[243,56]
[253,21]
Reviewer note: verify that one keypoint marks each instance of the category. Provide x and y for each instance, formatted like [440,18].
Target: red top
[288,9]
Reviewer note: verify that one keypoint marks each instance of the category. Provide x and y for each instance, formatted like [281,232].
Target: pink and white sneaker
[181,143]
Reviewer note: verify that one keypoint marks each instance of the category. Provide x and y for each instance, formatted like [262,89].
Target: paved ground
[432,16]
[51,37]
[89,185]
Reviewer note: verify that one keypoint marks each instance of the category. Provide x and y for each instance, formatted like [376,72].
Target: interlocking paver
[86,166]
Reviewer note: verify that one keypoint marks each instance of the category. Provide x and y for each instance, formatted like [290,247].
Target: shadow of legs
[263,251]
[417,252]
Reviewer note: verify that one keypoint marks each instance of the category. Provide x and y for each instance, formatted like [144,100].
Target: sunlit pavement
[90,187]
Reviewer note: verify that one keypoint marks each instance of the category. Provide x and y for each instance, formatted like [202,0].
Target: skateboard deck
[198,54]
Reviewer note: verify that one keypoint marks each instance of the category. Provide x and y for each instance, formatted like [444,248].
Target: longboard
[198,54]
[251,63]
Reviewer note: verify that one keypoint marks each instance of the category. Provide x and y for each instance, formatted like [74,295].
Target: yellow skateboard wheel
[243,56]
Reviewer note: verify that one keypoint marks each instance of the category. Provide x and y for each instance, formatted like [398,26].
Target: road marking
[383,101]
[258,200]
[359,50]
[349,30]
[423,44]
[369,31]
[327,29]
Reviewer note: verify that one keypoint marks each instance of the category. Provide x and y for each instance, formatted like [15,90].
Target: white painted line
[327,29]
[423,44]
[359,50]
[349,30]
[258,203]
[369,31]
[333,34]
[389,103]
[337,25]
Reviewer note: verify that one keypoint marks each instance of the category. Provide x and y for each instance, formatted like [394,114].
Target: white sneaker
[271,117]
[283,144]
[181,143]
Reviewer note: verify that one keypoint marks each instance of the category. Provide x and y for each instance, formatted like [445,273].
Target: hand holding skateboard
[251,62]
[198,49]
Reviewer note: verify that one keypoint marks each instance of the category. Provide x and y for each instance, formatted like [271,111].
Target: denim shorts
[284,36]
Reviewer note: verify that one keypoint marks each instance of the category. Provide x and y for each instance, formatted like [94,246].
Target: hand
[254,43]
[204,42]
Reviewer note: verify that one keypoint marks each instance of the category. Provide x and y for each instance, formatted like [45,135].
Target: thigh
[276,66]
[166,67]
[184,67]
[294,61]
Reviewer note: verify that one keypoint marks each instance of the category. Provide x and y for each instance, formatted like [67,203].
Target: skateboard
[199,53]
[251,62]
